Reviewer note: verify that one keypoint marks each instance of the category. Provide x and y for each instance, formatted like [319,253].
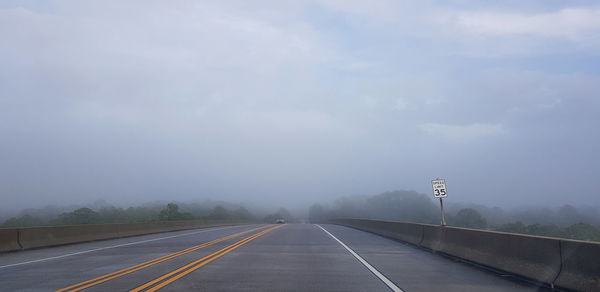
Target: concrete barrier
[407,232]
[580,266]
[134,229]
[432,237]
[533,257]
[562,263]
[35,237]
[9,240]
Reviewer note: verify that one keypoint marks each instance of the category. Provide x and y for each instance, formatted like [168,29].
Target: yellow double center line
[129,270]
[176,274]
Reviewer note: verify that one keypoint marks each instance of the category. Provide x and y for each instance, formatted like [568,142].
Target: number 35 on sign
[439,188]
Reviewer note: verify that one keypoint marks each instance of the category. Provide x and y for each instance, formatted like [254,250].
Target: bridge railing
[562,263]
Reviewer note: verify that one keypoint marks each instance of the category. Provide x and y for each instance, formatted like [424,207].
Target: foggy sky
[283,103]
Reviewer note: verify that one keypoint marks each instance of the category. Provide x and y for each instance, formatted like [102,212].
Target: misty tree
[568,215]
[112,214]
[23,221]
[197,209]
[219,213]
[351,207]
[79,216]
[532,229]
[172,213]
[242,213]
[469,218]
[403,206]
[108,214]
[517,227]
[407,206]
[543,229]
[141,214]
[581,231]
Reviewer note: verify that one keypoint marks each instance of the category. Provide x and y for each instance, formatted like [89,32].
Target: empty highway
[283,257]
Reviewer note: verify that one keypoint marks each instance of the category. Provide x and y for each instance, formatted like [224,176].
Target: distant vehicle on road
[280,221]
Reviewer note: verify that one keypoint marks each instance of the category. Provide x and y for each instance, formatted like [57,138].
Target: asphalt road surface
[282,257]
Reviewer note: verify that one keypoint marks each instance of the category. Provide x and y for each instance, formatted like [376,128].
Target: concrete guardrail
[560,263]
[9,240]
[13,239]
[580,265]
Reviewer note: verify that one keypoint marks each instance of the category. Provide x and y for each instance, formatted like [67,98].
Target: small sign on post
[439,191]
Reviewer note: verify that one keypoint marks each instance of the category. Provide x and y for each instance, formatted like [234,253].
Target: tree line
[410,206]
[170,212]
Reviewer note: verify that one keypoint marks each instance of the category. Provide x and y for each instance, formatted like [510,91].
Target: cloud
[402,104]
[575,24]
[369,101]
[550,104]
[254,98]
[461,133]
[384,9]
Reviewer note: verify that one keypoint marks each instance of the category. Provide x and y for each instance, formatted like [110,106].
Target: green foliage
[108,214]
[403,206]
[140,214]
[172,213]
[23,221]
[79,216]
[242,214]
[544,230]
[517,227]
[408,206]
[579,231]
[468,218]
[219,213]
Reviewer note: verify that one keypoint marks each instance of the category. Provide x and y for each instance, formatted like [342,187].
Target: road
[284,257]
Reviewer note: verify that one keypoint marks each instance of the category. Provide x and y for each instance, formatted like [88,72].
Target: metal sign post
[439,191]
[442,211]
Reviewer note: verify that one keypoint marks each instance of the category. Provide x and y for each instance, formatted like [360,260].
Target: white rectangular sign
[439,188]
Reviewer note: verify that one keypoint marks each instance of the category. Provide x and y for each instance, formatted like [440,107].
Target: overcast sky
[283,103]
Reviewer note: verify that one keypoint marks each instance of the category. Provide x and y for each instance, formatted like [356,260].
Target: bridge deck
[291,257]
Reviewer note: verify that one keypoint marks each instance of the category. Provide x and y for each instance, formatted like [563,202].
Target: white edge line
[379,275]
[109,247]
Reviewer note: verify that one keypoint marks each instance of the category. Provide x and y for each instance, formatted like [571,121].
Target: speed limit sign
[439,188]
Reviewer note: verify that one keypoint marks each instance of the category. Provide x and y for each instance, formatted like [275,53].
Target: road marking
[129,270]
[109,247]
[178,273]
[365,263]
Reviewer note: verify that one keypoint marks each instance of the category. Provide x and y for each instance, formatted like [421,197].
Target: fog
[272,104]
